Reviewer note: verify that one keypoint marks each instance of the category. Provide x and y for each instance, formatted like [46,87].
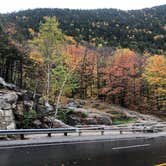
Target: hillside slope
[141,30]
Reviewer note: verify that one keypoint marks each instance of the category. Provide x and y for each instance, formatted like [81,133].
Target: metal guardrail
[49,131]
[82,129]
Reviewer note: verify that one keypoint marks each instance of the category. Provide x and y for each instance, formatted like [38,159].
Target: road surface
[107,150]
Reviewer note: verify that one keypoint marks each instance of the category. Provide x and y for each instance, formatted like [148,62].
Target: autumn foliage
[56,66]
[122,78]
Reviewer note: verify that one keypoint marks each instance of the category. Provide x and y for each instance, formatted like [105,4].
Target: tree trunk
[48,83]
[60,94]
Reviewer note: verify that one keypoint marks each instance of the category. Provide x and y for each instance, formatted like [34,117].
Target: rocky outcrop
[8,100]
[7,85]
[83,116]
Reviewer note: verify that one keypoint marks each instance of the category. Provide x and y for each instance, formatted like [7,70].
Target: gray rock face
[37,123]
[8,100]
[4,105]
[48,107]
[59,124]
[74,120]
[104,120]
[91,121]
[7,119]
[5,84]
[83,116]
[72,105]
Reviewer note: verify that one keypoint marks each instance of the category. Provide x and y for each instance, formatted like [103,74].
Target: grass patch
[121,120]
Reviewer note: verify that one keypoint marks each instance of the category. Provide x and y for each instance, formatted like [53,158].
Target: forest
[106,54]
[140,30]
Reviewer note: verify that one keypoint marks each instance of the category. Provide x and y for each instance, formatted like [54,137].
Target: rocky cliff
[18,109]
[8,100]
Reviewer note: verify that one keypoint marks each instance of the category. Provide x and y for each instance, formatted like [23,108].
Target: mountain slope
[141,30]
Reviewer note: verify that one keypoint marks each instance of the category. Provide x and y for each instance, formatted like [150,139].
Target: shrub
[28,118]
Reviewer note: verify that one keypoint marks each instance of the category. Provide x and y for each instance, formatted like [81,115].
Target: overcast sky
[16,5]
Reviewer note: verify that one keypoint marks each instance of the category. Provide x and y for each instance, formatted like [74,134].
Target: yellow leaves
[155,73]
[31,31]
[160,91]
[125,52]
[155,70]
[36,56]
[70,39]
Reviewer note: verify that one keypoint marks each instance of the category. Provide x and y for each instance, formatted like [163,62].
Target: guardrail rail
[81,129]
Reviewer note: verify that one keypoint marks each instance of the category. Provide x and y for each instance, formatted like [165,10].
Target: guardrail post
[65,133]
[49,134]
[79,133]
[133,131]
[22,136]
[102,132]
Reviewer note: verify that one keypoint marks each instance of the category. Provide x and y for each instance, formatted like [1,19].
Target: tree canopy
[140,30]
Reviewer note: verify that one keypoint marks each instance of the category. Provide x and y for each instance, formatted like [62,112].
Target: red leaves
[120,75]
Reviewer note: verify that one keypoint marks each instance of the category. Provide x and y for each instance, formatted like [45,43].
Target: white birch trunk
[60,94]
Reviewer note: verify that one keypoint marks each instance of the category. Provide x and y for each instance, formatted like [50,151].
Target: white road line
[128,147]
[50,144]
[57,144]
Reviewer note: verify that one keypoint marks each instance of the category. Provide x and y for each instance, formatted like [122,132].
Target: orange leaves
[73,56]
[125,61]
[120,77]
[77,54]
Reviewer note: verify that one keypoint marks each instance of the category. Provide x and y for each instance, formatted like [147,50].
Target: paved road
[115,150]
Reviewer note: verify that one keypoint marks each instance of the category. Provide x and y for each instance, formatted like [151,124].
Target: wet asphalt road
[122,150]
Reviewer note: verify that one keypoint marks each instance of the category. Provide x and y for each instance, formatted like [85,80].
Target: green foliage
[11,55]
[28,118]
[122,120]
[58,75]
[48,37]
[63,115]
[84,114]
[46,49]
[141,30]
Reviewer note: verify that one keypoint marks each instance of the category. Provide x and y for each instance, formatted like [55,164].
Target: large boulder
[74,120]
[37,124]
[83,116]
[7,119]
[91,121]
[10,97]
[4,105]
[8,100]
[73,105]
[104,120]
[58,124]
